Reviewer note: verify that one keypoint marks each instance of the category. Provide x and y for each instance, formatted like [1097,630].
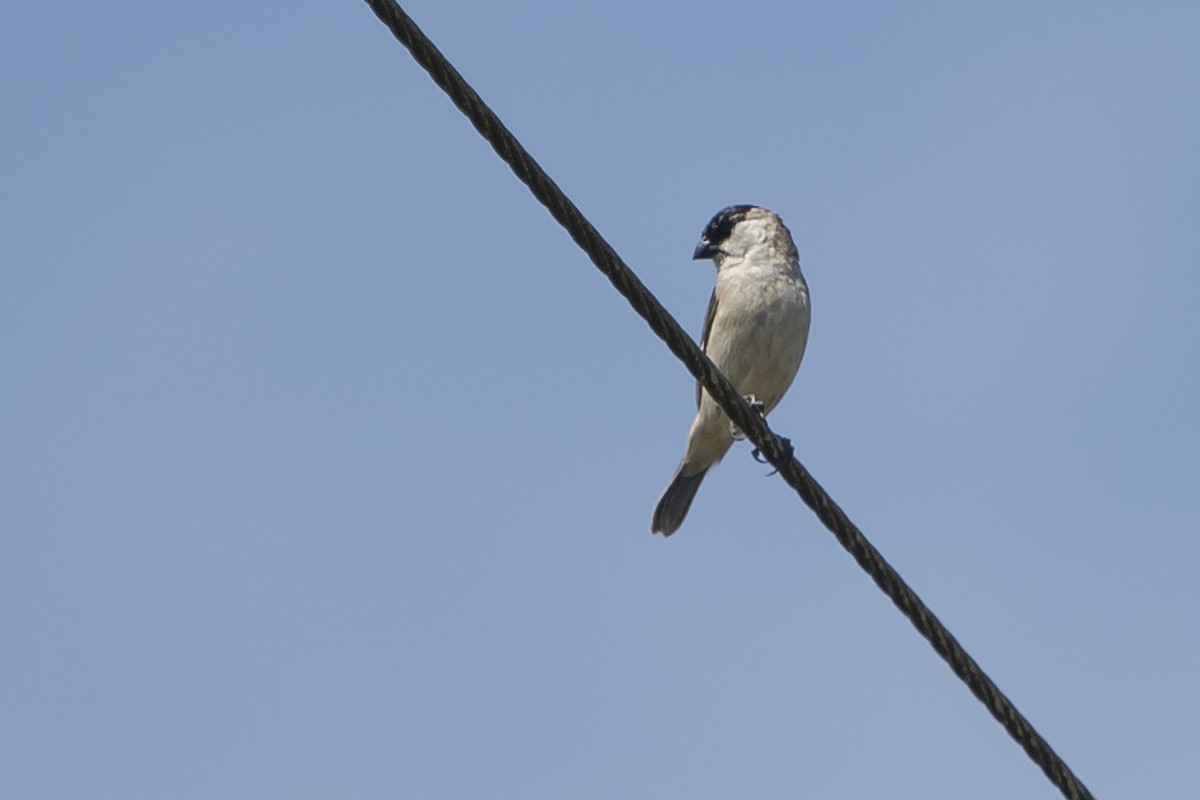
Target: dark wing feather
[708,323]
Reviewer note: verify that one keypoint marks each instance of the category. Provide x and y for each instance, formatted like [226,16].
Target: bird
[755,332]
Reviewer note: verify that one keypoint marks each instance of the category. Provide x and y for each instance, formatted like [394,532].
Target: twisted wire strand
[776,450]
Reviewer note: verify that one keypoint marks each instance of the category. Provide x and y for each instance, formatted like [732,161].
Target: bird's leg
[756,454]
[757,408]
[787,445]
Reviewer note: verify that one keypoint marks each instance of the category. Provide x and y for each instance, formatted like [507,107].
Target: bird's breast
[760,330]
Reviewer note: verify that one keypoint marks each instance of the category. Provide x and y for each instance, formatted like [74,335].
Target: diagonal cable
[776,450]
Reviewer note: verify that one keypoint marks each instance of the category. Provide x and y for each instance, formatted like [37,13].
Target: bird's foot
[757,407]
[787,445]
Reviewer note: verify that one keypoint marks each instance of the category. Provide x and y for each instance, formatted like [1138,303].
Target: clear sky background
[327,459]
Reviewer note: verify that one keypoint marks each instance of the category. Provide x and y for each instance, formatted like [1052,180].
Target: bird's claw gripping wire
[787,445]
[757,407]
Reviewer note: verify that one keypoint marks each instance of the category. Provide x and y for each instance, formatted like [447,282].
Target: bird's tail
[675,502]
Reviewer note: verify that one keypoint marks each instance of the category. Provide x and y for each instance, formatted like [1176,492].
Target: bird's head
[737,230]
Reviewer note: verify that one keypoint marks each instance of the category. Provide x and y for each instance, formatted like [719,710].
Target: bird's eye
[720,232]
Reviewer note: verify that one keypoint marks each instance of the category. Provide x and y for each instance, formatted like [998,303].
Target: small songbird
[755,333]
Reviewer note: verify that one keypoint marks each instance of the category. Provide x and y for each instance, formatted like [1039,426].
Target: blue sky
[328,460]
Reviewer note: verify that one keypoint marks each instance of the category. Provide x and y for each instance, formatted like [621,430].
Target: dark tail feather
[675,502]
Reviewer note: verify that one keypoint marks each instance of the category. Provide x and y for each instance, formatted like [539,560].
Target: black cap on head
[718,230]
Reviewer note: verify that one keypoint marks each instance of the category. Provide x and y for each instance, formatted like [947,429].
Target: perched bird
[755,332]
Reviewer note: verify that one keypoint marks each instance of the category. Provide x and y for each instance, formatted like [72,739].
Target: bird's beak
[705,249]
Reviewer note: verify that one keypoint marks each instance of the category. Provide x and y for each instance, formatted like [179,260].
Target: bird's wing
[708,323]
